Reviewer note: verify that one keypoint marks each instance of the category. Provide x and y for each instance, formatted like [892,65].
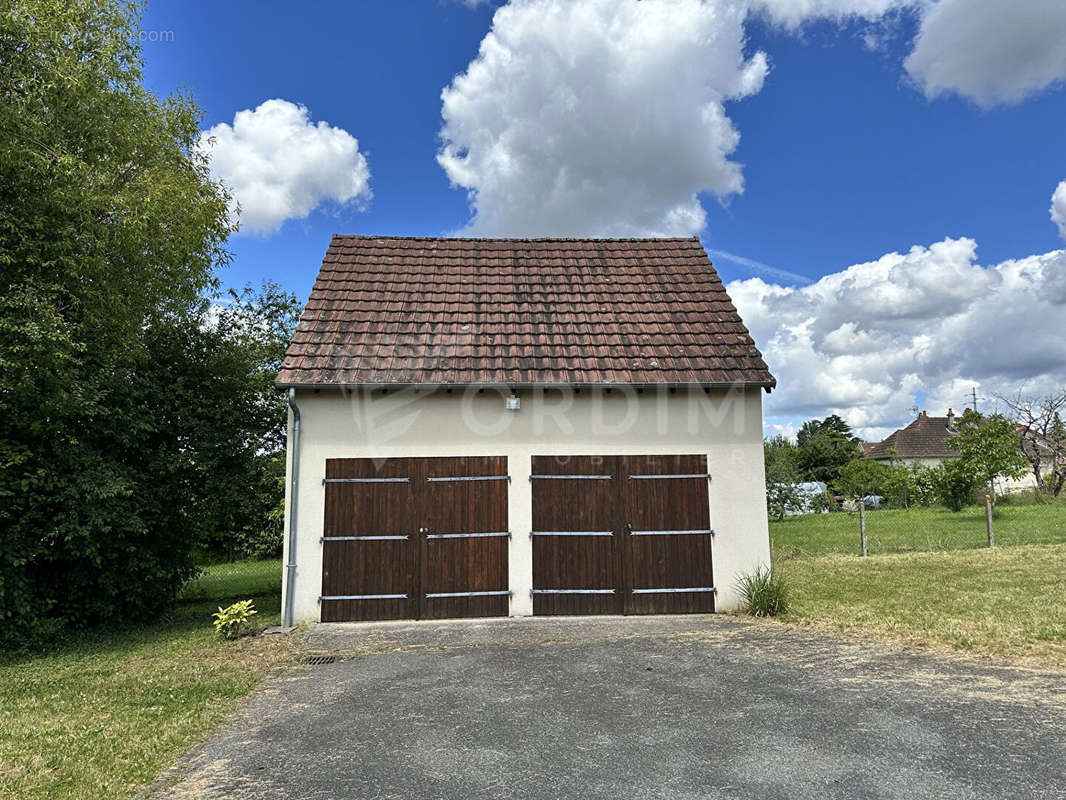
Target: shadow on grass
[218,585]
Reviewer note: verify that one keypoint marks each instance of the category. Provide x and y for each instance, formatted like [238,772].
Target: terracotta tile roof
[926,437]
[391,310]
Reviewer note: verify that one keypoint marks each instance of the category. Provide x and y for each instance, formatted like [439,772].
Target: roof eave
[767,385]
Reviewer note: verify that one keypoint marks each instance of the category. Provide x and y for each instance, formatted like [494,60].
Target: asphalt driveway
[667,707]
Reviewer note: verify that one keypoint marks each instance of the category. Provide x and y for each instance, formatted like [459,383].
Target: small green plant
[232,622]
[765,593]
[821,503]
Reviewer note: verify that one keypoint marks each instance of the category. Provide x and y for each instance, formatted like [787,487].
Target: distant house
[924,442]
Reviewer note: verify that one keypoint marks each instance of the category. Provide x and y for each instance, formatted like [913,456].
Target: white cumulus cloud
[280,165]
[794,13]
[609,117]
[601,117]
[1058,208]
[990,51]
[862,341]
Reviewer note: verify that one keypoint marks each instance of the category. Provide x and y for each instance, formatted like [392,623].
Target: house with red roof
[925,441]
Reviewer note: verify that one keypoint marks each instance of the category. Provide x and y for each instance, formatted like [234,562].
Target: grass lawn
[931,577]
[1008,602]
[103,714]
[895,531]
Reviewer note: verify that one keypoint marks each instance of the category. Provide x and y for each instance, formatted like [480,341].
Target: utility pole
[975,399]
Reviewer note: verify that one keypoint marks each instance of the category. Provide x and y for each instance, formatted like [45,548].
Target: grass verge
[103,714]
[1008,602]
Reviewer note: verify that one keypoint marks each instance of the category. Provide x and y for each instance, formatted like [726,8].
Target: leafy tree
[110,234]
[213,370]
[782,474]
[863,477]
[989,449]
[824,453]
[900,488]
[923,479]
[813,427]
[820,503]
[1043,436]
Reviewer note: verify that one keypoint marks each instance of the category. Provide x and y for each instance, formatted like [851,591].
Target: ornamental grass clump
[765,593]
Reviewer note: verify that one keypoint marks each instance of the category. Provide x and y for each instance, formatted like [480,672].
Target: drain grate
[314,661]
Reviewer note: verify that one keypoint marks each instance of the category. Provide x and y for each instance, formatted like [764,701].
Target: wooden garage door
[577,565]
[621,534]
[667,536]
[415,538]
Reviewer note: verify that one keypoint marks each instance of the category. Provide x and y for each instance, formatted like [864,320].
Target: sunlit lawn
[1008,602]
[893,531]
[932,579]
[103,714]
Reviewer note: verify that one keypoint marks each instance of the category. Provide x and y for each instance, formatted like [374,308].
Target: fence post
[862,523]
[988,519]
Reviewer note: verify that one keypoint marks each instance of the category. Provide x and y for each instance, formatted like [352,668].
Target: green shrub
[821,503]
[232,622]
[1025,497]
[765,593]
[925,489]
[247,518]
[955,484]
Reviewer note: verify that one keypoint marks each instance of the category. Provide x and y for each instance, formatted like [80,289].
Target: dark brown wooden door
[621,534]
[414,537]
[668,537]
[576,562]
[464,537]
[369,546]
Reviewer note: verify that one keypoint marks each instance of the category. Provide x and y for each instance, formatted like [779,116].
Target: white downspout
[294,495]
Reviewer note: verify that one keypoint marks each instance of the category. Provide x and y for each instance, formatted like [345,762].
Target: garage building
[492,427]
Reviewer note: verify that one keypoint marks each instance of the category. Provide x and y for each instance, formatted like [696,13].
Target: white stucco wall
[724,425]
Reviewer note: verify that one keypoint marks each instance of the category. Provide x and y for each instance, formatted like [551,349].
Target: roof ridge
[517,238]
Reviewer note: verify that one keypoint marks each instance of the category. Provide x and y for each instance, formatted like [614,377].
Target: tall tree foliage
[110,231]
[989,448]
[214,371]
[812,427]
[825,447]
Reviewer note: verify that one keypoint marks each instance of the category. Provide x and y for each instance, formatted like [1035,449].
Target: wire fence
[235,580]
[801,536]
[917,529]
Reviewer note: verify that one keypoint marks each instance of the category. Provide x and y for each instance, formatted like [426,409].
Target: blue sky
[846,153]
